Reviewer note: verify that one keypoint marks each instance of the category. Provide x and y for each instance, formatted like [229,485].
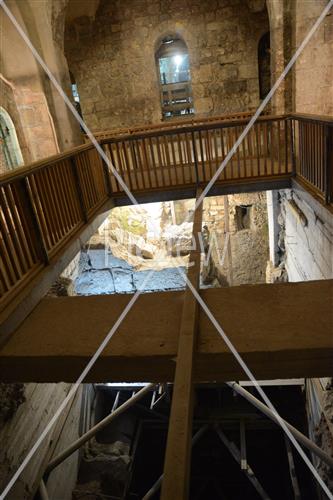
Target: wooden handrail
[26,170]
[174,123]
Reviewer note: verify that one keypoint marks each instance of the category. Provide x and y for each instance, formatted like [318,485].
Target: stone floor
[103,273]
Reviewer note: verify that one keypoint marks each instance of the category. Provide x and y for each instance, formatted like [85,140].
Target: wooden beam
[282,331]
[176,478]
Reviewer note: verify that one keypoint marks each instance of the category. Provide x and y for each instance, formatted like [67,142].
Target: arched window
[264,63]
[11,151]
[75,94]
[174,75]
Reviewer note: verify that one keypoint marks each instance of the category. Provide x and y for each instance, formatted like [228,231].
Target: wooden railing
[44,205]
[40,208]
[313,152]
[191,155]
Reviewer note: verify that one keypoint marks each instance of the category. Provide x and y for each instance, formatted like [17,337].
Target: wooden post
[195,156]
[329,165]
[178,452]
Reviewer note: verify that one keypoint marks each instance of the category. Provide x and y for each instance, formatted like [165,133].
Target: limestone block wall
[113,58]
[308,237]
[19,433]
[8,103]
[43,123]
[248,228]
[314,68]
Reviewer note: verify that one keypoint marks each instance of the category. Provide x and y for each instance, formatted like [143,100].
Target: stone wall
[43,123]
[8,103]
[308,238]
[248,229]
[113,58]
[314,68]
[19,433]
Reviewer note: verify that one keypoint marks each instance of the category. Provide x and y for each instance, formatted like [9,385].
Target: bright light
[178,59]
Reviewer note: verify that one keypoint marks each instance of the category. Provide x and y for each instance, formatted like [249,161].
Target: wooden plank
[284,331]
[176,478]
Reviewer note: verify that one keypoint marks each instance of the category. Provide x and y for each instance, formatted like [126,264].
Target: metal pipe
[156,486]
[301,438]
[43,491]
[93,431]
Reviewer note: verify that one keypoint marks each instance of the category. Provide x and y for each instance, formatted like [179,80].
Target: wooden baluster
[146,162]
[128,167]
[230,143]
[208,155]
[55,210]
[236,134]
[159,181]
[28,200]
[61,168]
[167,158]
[84,183]
[135,165]
[189,152]
[138,152]
[223,152]
[116,167]
[257,138]
[175,169]
[250,151]
[21,228]
[265,149]
[321,156]
[74,204]
[78,187]
[216,149]
[44,208]
[106,172]
[329,164]
[58,198]
[243,154]
[160,161]
[286,137]
[181,161]
[9,255]
[202,156]
[279,144]
[102,182]
[195,157]
[7,214]
[312,154]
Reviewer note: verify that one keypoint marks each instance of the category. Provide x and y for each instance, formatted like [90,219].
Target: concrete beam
[282,331]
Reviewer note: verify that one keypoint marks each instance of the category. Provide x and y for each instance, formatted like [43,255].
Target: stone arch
[11,153]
